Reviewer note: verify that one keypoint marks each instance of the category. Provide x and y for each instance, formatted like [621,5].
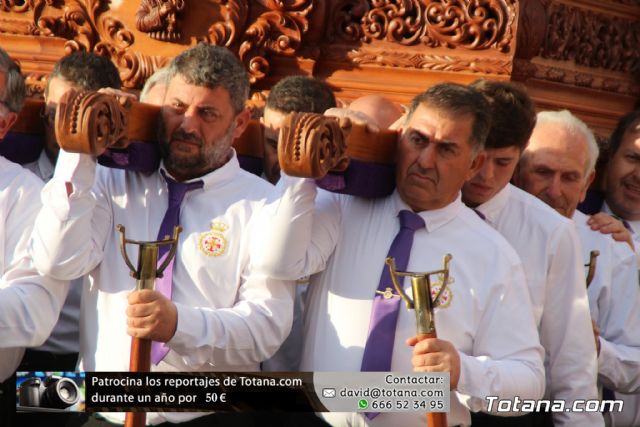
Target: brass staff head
[422,302]
[148,254]
[592,266]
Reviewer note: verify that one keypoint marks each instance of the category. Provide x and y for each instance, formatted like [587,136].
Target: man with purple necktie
[214,314]
[487,338]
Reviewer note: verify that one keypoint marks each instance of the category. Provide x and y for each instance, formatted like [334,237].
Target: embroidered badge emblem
[447,294]
[213,242]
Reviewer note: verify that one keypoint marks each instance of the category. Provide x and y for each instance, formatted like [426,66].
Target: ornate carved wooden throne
[577,54]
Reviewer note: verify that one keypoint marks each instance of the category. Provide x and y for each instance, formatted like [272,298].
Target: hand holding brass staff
[423,305]
[145,274]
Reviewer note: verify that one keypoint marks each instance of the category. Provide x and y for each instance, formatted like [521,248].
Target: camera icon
[53,392]
[329,392]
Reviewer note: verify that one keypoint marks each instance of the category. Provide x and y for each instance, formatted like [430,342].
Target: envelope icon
[328,392]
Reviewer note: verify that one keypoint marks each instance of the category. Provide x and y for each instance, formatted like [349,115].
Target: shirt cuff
[78,169]
[472,369]
[607,353]
[191,333]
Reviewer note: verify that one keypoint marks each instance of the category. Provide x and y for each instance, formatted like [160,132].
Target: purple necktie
[177,190]
[384,315]
[386,303]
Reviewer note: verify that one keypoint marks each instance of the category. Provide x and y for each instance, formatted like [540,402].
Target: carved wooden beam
[311,145]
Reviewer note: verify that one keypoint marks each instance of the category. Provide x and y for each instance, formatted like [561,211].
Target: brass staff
[145,275]
[592,266]
[423,306]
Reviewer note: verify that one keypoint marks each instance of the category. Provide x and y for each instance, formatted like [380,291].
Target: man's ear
[476,164]
[242,121]
[587,184]
[6,122]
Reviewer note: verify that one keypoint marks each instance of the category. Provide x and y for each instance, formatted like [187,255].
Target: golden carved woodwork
[577,54]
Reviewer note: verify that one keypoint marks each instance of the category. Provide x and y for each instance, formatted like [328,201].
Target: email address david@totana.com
[526,405]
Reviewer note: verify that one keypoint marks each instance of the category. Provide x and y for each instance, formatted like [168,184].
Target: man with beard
[214,313]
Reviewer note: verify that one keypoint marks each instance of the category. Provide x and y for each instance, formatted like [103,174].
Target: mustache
[181,135]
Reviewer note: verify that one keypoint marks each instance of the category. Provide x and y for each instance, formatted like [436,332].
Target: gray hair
[457,99]
[14,90]
[213,66]
[159,77]
[574,126]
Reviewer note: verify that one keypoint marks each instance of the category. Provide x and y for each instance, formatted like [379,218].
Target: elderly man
[29,303]
[487,336]
[558,166]
[548,246]
[209,312]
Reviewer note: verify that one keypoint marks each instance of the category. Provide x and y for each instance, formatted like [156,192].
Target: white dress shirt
[614,301]
[229,319]
[65,337]
[630,416]
[550,250]
[632,226]
[488,317]
[29,303]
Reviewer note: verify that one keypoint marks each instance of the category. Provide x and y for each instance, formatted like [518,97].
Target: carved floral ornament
[465,24]
[591,39]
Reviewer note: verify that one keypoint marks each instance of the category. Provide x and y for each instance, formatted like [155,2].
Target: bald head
[382,111]
[558,164]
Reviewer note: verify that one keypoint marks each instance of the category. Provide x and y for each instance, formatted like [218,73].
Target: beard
[209,157]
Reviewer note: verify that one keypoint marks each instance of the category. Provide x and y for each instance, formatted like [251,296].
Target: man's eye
[542,172]
[446,148]
[208,114]
[503,162]
[417,139]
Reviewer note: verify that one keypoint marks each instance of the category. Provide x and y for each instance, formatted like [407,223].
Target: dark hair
[300,94]
[87,71]
[625,123]
[458,99]
[513,113]
[213,66]
[14,90]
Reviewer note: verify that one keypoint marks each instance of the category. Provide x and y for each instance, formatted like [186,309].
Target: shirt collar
[492,208]
[436,218]
[45,166]
[220,176]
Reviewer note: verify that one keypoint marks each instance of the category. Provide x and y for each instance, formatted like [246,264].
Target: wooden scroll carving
[90,122]
[311,145]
